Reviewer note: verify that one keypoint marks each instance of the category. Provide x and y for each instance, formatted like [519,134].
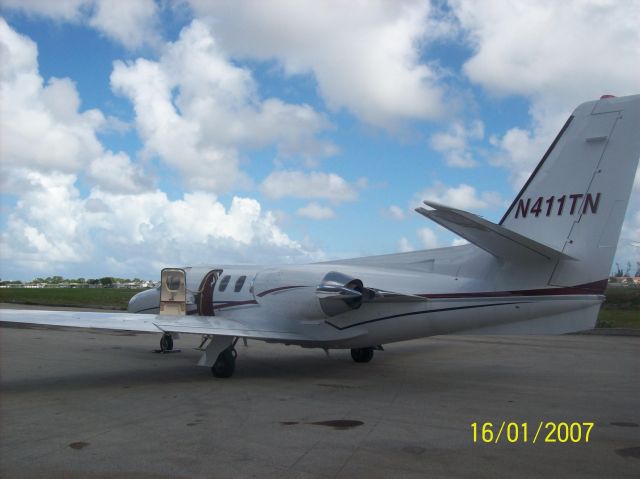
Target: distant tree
[619,271]
[106,281]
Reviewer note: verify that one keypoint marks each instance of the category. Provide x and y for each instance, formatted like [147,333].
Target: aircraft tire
[362,355]
[225,365]
[166,343]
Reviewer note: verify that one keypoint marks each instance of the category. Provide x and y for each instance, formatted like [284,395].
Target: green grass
[106,298]
[621,309]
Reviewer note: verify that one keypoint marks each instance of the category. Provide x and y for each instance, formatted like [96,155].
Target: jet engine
[339,293]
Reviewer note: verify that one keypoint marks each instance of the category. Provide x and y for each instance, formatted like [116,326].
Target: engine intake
[339,293]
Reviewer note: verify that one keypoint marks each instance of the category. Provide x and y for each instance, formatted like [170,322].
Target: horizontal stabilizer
[495,239]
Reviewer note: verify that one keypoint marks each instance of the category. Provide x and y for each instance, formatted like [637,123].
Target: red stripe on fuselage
[597,287]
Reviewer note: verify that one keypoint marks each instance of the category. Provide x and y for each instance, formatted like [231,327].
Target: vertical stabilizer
[577,196]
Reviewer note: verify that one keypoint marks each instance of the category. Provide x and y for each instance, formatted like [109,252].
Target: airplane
[542,269]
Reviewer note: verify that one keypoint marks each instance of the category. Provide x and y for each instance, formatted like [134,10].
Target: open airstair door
[173,292]
[205,292]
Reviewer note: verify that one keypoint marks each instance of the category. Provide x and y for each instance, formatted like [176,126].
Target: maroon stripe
[274,290]
[234,303]
[597,287]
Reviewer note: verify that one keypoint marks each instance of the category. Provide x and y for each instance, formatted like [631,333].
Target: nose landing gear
[166,343]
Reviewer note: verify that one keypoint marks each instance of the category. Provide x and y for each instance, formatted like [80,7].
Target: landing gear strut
[225,365]
[166,343]
[362,355]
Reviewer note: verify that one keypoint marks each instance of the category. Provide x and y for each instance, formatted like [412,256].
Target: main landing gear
[362,355]
[225,365]
[166,343]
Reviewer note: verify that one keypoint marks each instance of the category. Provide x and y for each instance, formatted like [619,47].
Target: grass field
[103,298]
[621,308]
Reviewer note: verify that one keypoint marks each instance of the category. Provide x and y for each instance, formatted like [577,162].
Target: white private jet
[543,269]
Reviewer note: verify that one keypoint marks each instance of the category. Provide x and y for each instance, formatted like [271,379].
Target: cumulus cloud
[53,227]
[116,173]
[41,125]
[593,50]
[575,63]
[394,212]
[44,129]
[463,197]
[46,225]
[428,238]
[132,24]
[298,184]
[68,10]
[195,109]
[316,211]
[365,56]
[404,245]
[119,223]
[454,143]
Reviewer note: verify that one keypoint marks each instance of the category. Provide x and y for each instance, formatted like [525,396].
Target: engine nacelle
[339,293]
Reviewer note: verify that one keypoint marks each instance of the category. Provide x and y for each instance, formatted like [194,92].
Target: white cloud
[394,212]
[458,242]
[42,126]
[298,184]
[594,49]
[463,197]
[131,23]
[365,56]
[46,226]
[122,226]
[404,245]
[316,211]
[454,144]
[195,109]
[116,173]
[428,238]
[53,228]
[67,10]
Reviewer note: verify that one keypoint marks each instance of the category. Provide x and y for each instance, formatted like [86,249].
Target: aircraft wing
[152,323]
[495,239]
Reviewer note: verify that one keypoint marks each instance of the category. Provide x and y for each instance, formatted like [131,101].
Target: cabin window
[223,283]
[239,284]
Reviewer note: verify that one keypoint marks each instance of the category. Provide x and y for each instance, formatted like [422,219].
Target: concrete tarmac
[102,404]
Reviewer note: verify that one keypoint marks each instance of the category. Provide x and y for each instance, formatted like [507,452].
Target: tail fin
[575,200]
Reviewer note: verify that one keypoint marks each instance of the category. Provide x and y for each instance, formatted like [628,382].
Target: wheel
[166,342]
[225,365]
[362,355]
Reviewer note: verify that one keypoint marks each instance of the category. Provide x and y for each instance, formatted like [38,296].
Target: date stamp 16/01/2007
[522,432]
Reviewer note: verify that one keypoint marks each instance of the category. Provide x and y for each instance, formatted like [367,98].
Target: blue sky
[144,134]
